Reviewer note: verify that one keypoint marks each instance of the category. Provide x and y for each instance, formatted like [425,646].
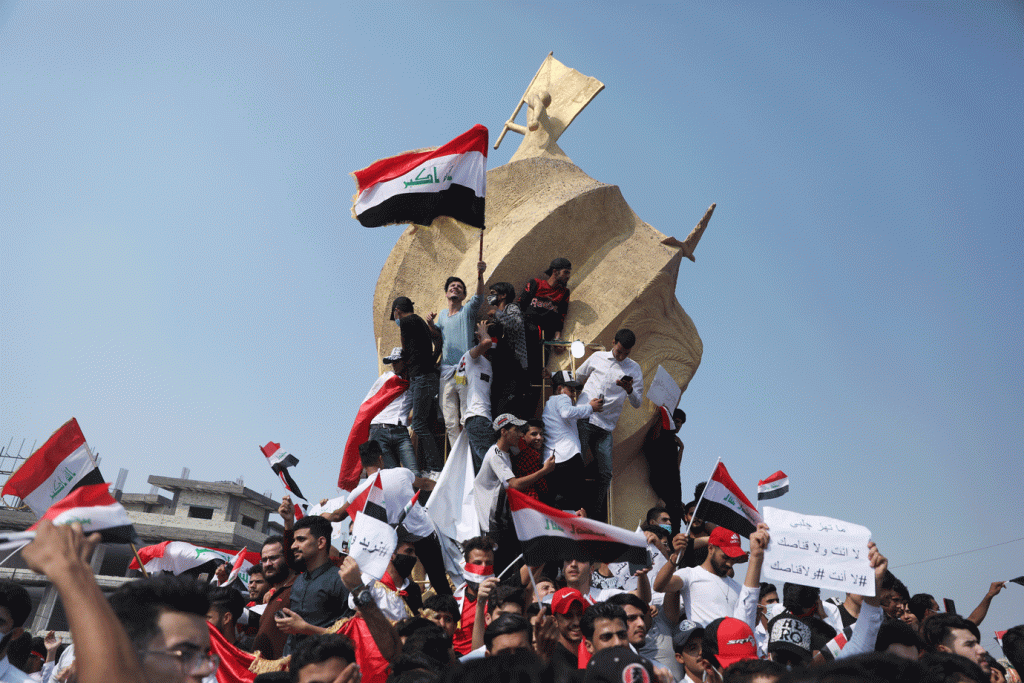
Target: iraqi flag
[417,187]
[724,504]
[373,539]
[178,557]
[548,534]
[244,560]
[773,487]
[59,466]
[95,509]
[280,460]
[351,467]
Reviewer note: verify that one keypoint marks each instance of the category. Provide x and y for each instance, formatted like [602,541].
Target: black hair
[273,677]
[626,338]
[410,624]
[870,667]
[919,604]
[318,526]
[228,600]
[895,631]
[444,603]
[654,512]
[512,666]
[505,291]
[504,625]
[657,530]
[18,650]
[943,667]
[17,601]
[256,569]
[505,594]
[766,588]
[451,279]
[599,610]
[370,453]
[319,649]
[679,416]
[532,610]
[138,604]
[698,490]
[413,667]
[271,540]
[1013,646]
[890,582]
[797,599]
[535,422]
[477,543]
[939,627]
[631,599]
[749,670]
[431,640]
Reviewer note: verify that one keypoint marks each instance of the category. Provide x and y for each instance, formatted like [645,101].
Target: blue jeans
[600,443]
[423,389]
[481,437]
[395,445]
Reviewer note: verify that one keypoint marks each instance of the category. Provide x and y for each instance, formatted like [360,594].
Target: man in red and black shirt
[530,458]
[544,303]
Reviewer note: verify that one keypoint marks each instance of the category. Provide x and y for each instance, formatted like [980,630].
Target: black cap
[402,303]
[558,264]
[616,664]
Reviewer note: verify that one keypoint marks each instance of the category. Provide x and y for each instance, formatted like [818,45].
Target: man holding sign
[708,590]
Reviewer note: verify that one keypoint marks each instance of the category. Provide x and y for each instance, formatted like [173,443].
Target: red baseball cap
[729,640]
[563,599]
[728,541]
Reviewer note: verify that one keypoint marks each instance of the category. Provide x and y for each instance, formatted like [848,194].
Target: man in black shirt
[424,381]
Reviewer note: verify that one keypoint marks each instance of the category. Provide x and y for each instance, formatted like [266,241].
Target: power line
[963,552]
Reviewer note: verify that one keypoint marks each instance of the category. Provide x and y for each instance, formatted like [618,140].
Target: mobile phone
[627,378]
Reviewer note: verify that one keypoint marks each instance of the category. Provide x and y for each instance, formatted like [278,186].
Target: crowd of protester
[311,615]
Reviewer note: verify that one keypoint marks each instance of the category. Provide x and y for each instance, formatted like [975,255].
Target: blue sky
[181,272]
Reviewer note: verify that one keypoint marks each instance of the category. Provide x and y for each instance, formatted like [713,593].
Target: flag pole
[481,245]
[509,566]
[138,559]
[697,507]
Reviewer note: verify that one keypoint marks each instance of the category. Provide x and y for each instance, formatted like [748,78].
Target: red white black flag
[280,460]
[547,534]
[58,467]
[773,487]
[724,504]
[351,467]
[95,509]
[417,187]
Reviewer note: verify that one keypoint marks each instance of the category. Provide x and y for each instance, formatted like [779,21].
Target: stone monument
[540,206]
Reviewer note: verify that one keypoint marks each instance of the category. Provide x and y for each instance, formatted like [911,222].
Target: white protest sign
[339,529]
[664,391]
[817,551]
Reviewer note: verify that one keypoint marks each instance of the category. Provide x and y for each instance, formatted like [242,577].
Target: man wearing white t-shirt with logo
[708,591]
[611,375]
[474,377]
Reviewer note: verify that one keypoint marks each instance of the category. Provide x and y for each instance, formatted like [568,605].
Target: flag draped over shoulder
[417,187]
[60,465]
[548,534]
[373,539]
[724,504]
[95,509]
[280,460]
[773,487]
[351,467]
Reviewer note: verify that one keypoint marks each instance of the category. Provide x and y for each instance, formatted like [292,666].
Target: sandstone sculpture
[539,206]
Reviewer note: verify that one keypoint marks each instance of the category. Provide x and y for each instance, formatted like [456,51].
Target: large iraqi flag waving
[178,557]
[548,534]
[417,187]
[724,504]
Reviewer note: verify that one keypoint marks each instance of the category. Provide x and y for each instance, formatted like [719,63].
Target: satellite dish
[577,349]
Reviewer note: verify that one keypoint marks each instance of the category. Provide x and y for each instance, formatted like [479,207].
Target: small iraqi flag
[57,468]
[280,460]
[373,539]
[724,504]
[95,509]
[417,187]
[773,487]
[548,534]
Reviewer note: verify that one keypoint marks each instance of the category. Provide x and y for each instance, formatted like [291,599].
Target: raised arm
[982,609]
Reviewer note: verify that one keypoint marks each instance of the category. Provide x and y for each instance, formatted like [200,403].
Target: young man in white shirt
[474,378]
[561,416]
[613,376]
[390,427]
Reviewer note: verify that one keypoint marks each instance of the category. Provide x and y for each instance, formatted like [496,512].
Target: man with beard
[277,570]
[709,591]
[955,635]
[318,597]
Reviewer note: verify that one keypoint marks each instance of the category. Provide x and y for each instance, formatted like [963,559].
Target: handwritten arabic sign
[664,390]
[818,551]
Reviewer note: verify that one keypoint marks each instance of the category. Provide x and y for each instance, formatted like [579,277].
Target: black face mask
[404,564]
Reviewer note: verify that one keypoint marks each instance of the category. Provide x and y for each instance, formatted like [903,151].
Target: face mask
[666,527]
[404,565]
[398,321]
[492,300]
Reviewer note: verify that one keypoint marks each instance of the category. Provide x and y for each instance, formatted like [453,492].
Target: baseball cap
[565,377]
[728,541]
[506,419]
[558,264]
[402,303]
[786,632]
[563,599]
[396,354]
[729,640]
[687,629]
[618,664]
